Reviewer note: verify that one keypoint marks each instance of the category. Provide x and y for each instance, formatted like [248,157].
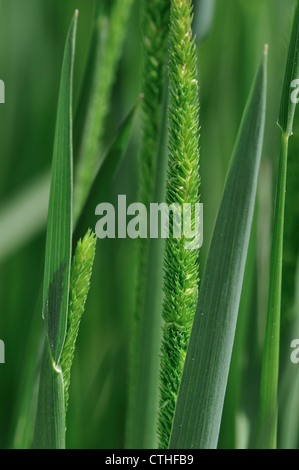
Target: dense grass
[32,39]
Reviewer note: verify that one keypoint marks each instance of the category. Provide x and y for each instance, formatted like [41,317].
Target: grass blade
[50,420]
[146,333]
[104,76]
[202,389]
[146,326]
[59,230]
[288,105]
[105,174]
[267,423]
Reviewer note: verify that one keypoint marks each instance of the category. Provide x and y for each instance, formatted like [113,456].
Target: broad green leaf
[105,174]
[291,81]
[50,419]
[267,423]
[203,385]
[59,229]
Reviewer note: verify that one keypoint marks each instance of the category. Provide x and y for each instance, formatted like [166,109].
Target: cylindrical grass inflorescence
[81,271]
[181,275]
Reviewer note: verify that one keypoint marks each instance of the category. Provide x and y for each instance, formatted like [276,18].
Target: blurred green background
[32,36]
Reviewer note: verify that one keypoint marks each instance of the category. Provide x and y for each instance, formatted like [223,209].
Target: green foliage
[108,55]
[155,35]
[106,173]
[203,385]
[121,53]
[267,425]
[49,428]
[143,404]
[79,286]
[287,105]
[180,264]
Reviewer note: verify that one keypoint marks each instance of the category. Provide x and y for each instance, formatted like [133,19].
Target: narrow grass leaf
[146,326]
[103,80]
[105,174]
[291,81]
[50,419]
[59,229]
[202,390]
[267,422]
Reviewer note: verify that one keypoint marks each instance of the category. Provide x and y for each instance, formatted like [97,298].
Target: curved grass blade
[25,215]
[146,333]
[105,174]
[146,320]
[104,75]
[202,389]
[267,423]
[50,419]
[59,229]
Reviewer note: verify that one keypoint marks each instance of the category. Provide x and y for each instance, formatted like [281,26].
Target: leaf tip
[266,48]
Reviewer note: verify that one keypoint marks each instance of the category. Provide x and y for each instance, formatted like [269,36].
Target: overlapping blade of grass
[146,325]
[105,174]
[143,413]
[288,424]
[25,215]
[267,423]
[108,55]
[103,180]
[200,401]
[50,419]
[105,50]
